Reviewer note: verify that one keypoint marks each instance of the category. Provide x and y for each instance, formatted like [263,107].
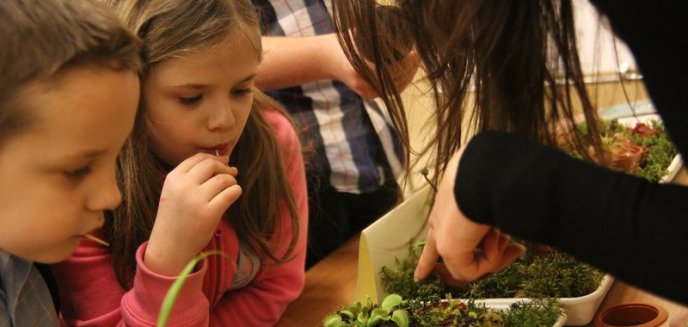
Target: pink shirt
[216,294]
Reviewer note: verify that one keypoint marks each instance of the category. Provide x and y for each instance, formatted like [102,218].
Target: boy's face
[58,175]
[200,102]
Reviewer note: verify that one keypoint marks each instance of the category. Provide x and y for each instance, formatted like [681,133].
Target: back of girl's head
[511,55]
[170,28]
[42,37]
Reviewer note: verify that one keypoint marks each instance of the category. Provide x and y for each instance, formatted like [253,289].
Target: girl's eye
[240,92]
[78,173]
[190,100]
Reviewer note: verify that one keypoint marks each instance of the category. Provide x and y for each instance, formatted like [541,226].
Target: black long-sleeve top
[624,225]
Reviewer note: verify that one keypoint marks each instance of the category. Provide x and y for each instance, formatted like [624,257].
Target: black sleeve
[655,32]
[624,225]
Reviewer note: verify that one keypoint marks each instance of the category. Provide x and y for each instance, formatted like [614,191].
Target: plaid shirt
[354,144]
[24,296]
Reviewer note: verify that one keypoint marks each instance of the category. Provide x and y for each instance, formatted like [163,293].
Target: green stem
[171,296]
[425,173]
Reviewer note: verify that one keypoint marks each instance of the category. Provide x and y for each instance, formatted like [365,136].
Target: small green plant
[445,313]
[449,312]
[370,315]
[171,295]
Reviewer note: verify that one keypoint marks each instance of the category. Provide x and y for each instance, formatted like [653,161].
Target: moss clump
[552,275]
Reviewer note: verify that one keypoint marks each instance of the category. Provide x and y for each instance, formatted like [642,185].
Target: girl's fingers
[207,168]
[190,162]
[224,199]
[216,184]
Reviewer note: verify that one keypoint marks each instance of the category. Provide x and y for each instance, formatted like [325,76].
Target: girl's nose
[221,116]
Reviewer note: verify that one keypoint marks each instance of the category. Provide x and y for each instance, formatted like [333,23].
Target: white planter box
[579,310]
[505,306]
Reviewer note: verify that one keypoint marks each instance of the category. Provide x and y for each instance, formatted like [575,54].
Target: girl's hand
[469,250]
[194,197]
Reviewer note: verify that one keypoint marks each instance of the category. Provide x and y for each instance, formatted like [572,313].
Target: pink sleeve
[264,300]
[91,296]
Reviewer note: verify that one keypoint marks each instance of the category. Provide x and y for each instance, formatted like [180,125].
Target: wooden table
[329,284]
[332,282]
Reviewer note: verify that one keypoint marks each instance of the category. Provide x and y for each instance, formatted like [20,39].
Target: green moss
[553,275]
[399,279]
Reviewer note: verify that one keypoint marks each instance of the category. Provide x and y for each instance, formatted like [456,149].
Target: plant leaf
[379,312]
[400,317]
[171,296]
[391,301]
[332,321]
[347,313]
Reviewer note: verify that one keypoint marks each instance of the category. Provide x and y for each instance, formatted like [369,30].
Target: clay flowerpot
[629,159]
[631,314]
[443,274]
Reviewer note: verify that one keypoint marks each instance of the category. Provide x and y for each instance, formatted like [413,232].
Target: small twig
[425,173]
[96,239]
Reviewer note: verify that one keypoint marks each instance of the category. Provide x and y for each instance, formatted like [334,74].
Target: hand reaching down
[469,250]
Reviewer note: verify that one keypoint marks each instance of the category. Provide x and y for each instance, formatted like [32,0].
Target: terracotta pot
[443,274]
[631,314]
[542,249]
[630,159]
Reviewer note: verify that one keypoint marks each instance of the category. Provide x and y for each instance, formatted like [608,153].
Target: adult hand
[403,71]
[194,198]
[469,250]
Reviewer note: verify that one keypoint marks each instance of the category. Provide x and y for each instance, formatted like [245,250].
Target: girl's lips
[220,150]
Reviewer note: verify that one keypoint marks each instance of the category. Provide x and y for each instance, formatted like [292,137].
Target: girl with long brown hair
[199,112]
[510,178]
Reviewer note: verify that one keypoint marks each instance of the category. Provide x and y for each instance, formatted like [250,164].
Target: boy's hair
[41,37]
[173,28]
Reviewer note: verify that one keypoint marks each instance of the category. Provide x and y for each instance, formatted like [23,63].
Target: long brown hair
[515,54]
[170,28]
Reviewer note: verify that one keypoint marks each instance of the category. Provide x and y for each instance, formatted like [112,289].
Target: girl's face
[58,175]
[199,102]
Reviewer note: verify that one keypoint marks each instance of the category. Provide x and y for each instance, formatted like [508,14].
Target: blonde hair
[41,38]
[168,29]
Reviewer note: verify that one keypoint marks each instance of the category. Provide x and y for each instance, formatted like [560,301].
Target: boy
[68,97]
